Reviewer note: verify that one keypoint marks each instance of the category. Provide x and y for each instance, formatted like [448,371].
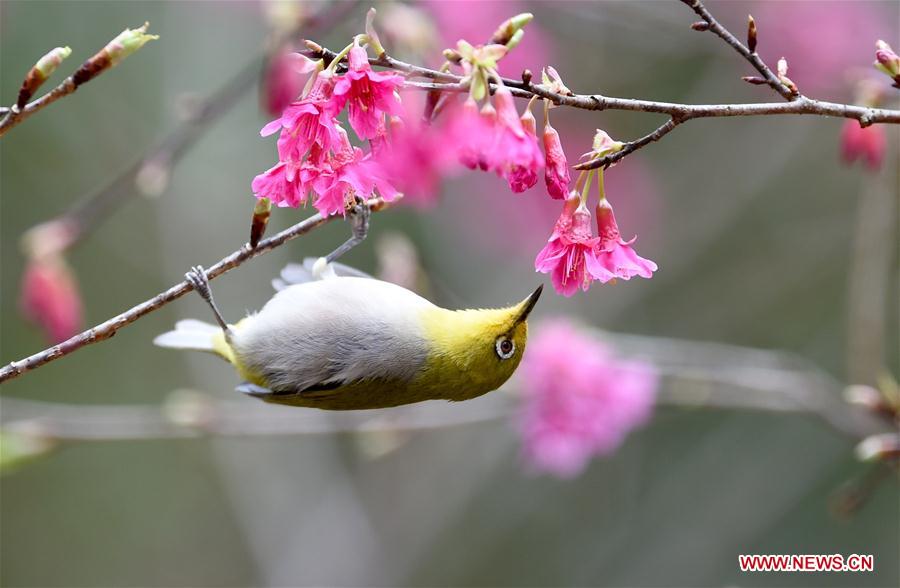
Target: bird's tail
[195,335]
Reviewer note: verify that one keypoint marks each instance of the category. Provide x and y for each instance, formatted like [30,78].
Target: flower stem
[332,67]
[601,189]
[587,186]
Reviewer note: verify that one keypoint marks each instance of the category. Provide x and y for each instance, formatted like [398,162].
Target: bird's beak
[527,305]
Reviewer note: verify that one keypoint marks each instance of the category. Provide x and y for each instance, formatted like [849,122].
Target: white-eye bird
[343,342]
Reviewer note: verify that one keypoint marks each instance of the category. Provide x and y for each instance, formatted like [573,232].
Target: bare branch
[109,328]
[749,54]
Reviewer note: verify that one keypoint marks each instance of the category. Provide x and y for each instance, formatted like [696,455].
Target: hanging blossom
[615,254]
[866,144]
[50,297]
[556,173]
[495,138]
[369,94]
[578,399]
[571,254]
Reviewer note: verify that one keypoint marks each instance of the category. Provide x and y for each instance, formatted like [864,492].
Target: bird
[335,339]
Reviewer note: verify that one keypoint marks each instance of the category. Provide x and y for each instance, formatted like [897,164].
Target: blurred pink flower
[570,255]
[50,297]
[416,156]
[556,174]
[494,139]
[578,399]
[615,254]
[370,94]
[307,122]
[471,133]
[283,80]
[868,144]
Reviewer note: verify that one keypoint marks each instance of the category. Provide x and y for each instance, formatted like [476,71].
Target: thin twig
[86,214]
[14,117]
[109,328]
[716,28]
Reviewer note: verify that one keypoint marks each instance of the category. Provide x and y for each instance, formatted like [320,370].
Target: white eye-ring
[505,347]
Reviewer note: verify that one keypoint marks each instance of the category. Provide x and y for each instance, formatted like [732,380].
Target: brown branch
[678,112]
[750,55]
[109,328]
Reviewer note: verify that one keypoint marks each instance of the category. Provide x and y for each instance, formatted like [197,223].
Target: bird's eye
[505,347]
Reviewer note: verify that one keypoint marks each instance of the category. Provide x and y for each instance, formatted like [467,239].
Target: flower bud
[128,41]
[47,64]
[751,33]
[516,39]
[556,174]
[887,61]
[38,74]
[510,27]
[50,297]
[262,210]
[603,145]
[868,144]
[782,75]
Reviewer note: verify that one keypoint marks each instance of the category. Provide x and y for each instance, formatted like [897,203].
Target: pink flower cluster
[495,138]
[573,256]
[314,151]
[579,399]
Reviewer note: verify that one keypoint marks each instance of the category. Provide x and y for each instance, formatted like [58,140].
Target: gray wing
[301,273]
[321,334]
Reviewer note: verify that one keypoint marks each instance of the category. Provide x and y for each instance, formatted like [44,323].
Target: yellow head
[474,351]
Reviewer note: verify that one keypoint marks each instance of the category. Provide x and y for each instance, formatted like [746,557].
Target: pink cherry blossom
[307,122]
[415,157]
[349,172]
[615,254]
[368,93]
[867,144]
[50,297]
[283,80]
[570,256]
[281,185]
[524,175]
[556,174]
[515,154]
[578,399]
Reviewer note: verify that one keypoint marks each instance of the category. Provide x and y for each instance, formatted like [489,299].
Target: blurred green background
[752,222]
